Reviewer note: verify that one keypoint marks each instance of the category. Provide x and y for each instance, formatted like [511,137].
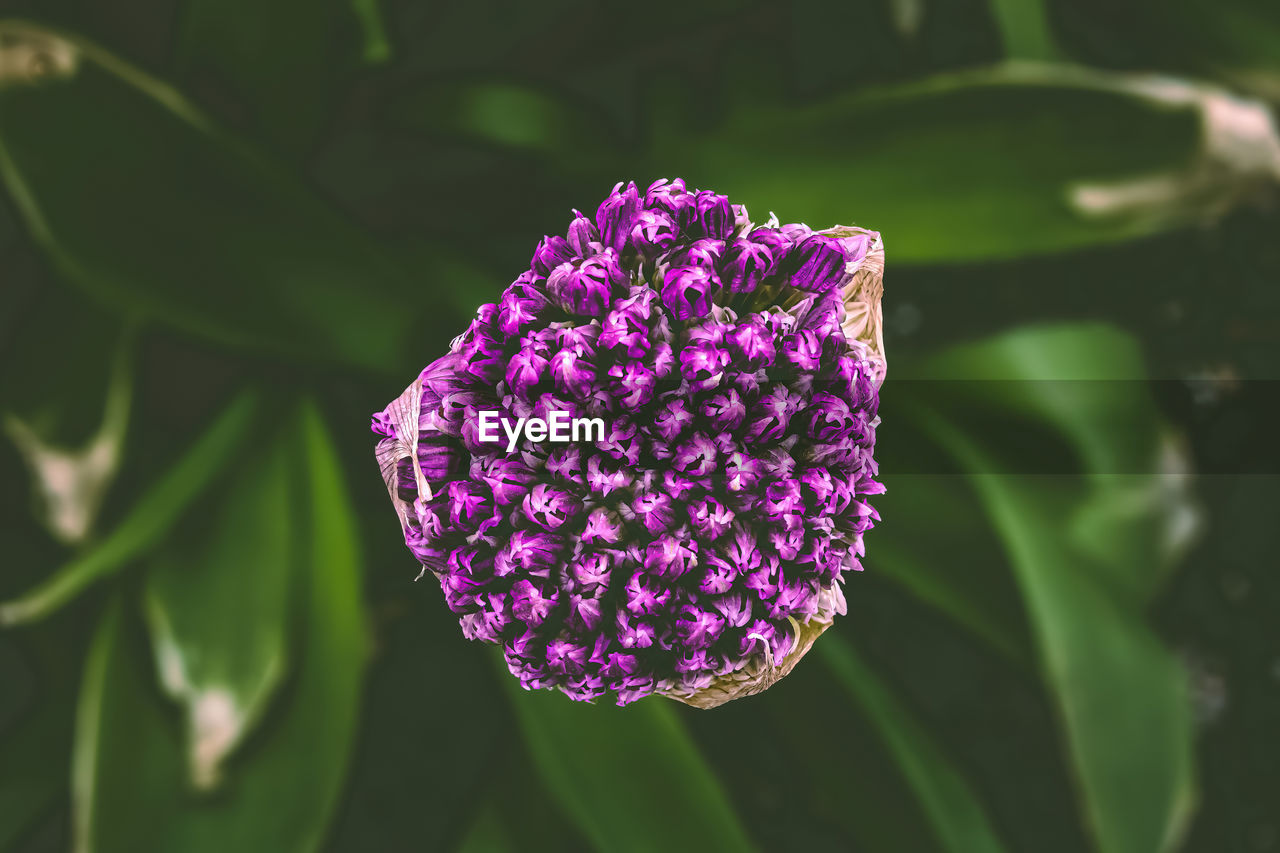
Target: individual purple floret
[696,541]
[688,291]
[585,287]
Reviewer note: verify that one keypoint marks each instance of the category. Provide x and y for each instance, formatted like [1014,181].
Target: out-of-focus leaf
[1120,694]
[1024,26]
[1089,384]
[129,772]
[438,777]
[980,598]
[66,406]
[122,736]
[333,661]
[508,114]
[39,678]
[1238,161]
[992,722]
[631,778]
[33,772]
[529,809]
[959,821]
[377,45]
[1235,39]
[217,602]
[487,834]
[176,219]
[149,520]
[70,483]
[961,167]
[60,390]
[281,60]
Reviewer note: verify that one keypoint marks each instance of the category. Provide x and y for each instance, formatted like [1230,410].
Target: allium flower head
[697,545]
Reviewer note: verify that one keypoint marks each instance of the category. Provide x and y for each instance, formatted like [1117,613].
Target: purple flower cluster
[729,494]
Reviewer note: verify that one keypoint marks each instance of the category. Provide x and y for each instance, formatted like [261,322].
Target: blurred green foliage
[274,213]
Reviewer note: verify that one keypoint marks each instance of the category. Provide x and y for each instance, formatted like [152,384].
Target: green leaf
[841,792]
[1024,26]
[487,834]
[977,598]
[62,392]
[217,603]
[39,681]
[961,167]
[959,821]
[1120,694]
[631,778]
[1233,39]
[1088,383]
[1239,33]
[174,218]
[377,45]
[149,519]
[130,791]
[69,481]
[509,114]
[33,773]
[122,736]
[971,587]
[434,782]
[282,61]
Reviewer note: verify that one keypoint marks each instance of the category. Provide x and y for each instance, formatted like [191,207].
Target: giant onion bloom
[700,548]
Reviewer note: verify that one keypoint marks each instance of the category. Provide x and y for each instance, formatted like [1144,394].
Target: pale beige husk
[762,671]
[863,326]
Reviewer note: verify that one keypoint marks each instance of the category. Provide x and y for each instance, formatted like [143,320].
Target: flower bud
[687,291]
[744,265]
[816,264]
[585,288]
[616,216]
[551,253]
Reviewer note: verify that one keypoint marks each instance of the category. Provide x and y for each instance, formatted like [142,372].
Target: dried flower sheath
[698,550]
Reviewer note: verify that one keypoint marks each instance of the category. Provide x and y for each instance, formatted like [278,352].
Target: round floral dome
[695,541]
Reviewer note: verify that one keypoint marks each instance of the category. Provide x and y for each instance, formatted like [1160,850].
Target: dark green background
[262,218]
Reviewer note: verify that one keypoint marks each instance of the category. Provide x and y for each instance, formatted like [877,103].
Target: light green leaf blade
[326,697]
[121,732]
[600,763]
[217,603]
[1024,28]
[1120,694]
[1088,382]
[149,520]
[130,791]
[962,167]
[377,44]
[509,114]
[958,819]
[176,219]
